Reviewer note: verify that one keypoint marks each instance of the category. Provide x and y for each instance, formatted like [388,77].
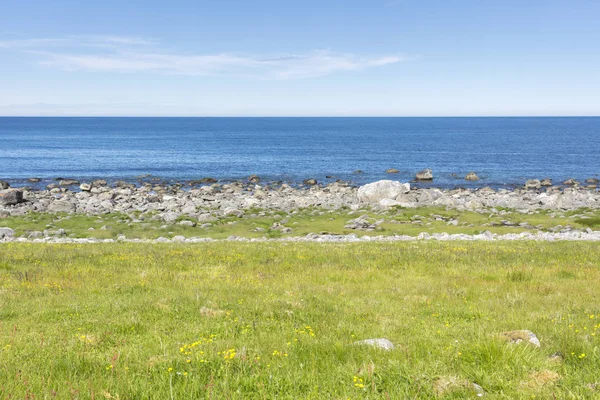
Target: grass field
[278,320]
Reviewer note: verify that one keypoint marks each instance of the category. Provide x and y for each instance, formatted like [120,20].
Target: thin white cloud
[129,55]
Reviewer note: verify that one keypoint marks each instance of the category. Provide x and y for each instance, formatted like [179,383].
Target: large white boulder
[380,190]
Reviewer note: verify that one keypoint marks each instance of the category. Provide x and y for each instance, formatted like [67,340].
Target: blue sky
[288,58]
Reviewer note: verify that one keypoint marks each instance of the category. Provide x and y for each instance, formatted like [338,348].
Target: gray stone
[424,175]
[170,216]
[381,343]
[188,223]
[6,233]
[253,179]
[86,187]
[533,184]
[10,197]
[471,176]
[392,171]
[521,336]
[61,206]
[310,182]
[232,211]
[385,189]
[68,182]
[4,185]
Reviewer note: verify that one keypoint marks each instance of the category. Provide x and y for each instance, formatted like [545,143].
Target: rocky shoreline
[206,204]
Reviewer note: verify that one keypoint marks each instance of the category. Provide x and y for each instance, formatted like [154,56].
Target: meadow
[279,320]
[258,223]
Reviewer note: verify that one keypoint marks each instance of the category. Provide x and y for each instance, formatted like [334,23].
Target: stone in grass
[381,343]
[521,336]
[447,384]
[187,223]
[540,379]
[6,233]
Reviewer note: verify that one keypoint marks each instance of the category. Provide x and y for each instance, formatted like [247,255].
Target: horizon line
[301,116]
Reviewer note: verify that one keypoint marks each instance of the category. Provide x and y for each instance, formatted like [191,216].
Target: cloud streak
[134,55]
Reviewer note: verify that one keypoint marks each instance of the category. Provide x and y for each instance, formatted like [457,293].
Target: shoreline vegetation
[70,211]
[284,320]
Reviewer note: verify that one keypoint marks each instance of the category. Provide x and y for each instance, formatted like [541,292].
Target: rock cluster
[214,200]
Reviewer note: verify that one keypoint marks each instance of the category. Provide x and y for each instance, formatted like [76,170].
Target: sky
[299,58]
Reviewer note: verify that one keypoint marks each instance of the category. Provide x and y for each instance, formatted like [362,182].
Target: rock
[68,182]
[6,233]
[471,176]
[381,343]
[571,182]
[546,182]
[445,385]
[533,184]
[4,185]
[61,206]
[33,180]
[521,336]
[384,189]
[10,197]
[99,183]
[358,171]
[363,223]
[425,175]
[170,216]
[592,181]
[310,182]
[207,180]
[253,179]
[206,217]
[187,223]
[232,211]
[85,187]
[392,171]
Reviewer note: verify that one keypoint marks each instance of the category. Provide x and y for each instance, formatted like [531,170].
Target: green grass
[397,221]
[277,320]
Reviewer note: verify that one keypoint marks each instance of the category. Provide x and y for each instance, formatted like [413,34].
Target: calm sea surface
[502,151]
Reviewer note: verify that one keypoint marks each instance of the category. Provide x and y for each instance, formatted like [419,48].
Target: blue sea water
[502,151]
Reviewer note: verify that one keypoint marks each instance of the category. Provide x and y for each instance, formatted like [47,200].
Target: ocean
[503,152]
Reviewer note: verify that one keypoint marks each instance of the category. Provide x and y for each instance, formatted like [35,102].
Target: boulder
[10,197]
[170,216]
[381,343]
[384,189]
[68,182]
[4,185]
[232,211]
[392,171]
[571,182]
[61,206]
[546,182]
[33,180]
[533,184]
[425,175]
[521,336]
[99,183]
[6,233]
[592,181]
[253,179]
[471,176]
[85,187]
[310,181]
